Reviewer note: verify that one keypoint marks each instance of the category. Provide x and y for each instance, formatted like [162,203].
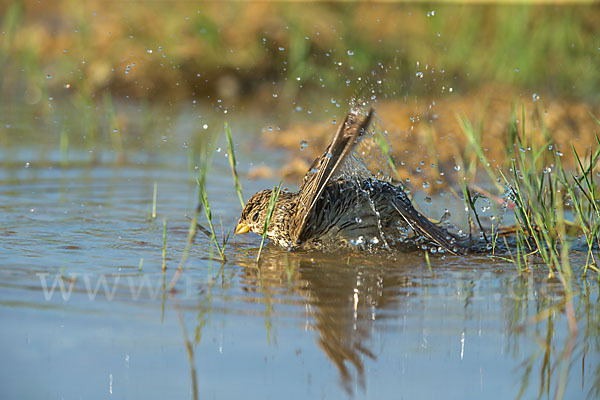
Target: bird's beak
[241,228]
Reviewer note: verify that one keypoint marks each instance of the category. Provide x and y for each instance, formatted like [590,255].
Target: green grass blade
[270,210]
[233,164]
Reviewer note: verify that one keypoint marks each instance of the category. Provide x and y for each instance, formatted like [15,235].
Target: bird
[339,205]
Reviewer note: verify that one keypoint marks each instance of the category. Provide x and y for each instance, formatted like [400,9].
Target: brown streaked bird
[334,209]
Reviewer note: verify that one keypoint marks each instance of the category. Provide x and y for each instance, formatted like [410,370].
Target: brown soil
[427,136]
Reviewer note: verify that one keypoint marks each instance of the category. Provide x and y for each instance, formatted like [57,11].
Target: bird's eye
[255,217]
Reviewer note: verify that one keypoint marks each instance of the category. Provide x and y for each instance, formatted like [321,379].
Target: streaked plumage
[332,211]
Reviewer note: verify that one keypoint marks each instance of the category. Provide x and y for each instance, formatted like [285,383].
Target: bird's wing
[421,225]
[325,167]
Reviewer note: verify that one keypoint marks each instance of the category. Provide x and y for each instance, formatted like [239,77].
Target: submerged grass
[154,196]
[164,246]
[554,208]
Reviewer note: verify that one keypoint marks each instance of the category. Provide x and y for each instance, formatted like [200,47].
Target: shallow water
[298,325]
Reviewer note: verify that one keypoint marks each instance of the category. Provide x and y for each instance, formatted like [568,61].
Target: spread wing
[421,225]
[325,167]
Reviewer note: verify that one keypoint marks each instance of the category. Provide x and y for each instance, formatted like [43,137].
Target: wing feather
[325,167]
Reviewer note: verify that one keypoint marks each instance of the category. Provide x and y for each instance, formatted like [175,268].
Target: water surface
[296,325]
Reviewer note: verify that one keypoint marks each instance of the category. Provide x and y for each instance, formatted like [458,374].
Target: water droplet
[48,76]
[457,167]
[185,145]
[218,150]
[205,126]
[67,86]
[428,200]
[431,13]
[27,164]
[517,70]
[350,53]
[281,48]
[419,75]
[425,185]
[275,95]
[535,97]
[303,144]
[149,51]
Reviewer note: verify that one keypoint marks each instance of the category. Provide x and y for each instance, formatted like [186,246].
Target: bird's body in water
[332,210]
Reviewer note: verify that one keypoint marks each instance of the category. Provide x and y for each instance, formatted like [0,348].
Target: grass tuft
[552,206]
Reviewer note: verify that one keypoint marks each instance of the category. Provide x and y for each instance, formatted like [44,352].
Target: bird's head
[254,213]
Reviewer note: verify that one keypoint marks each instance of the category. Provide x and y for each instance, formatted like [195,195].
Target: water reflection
[349,301]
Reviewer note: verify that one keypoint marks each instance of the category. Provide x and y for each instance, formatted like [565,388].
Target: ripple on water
[376,320]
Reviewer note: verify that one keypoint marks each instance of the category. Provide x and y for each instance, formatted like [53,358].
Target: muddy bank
[429,145]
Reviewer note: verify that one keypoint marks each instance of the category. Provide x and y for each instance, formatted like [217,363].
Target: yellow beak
[241,228]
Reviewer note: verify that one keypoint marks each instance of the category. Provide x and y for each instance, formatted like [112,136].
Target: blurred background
[239,52]
[122,73]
